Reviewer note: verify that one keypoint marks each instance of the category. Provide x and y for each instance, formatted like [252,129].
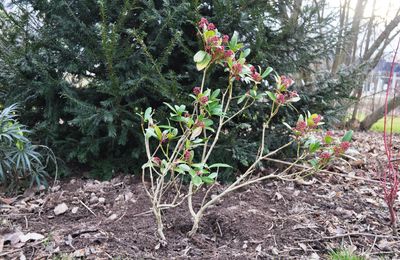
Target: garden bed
[287,219]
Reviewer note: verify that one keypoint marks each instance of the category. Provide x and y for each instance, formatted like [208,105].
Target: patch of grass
[343,254]
[378,126]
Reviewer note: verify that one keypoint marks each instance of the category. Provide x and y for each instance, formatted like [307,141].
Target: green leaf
[199,56]
[158,132]
[328,139]
[173,109]
[220,165]
[197,181]
[271,95]
[207,180]
[244,53]
[347,137]
[234,40]
[314,147]
[215,94]
[209,34]
[203,63]
[147,114]
[241,99]
[213,175]
[267,72]
[314,162]
[150,133]
[196,132]
[208,122]
[287,125]
[184,167]
[294,99]
[198,165]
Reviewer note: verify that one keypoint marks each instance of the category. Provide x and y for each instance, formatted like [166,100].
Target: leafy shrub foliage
[80,69]
[21,162]
[182,145]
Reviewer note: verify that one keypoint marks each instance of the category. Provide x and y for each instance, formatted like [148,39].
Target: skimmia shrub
[182,145]
[21,161]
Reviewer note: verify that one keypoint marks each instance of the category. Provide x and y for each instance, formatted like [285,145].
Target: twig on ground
[26,222]
[349,235]
[91,211]
[143,213]
[323,171]
[219,229]
[83,231]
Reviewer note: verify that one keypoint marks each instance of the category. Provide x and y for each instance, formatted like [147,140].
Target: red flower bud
[301,126]
[225,39]
[317,119]
[256,76]
[200,124]
[344,146]
[286,81]
[237,68]
[211,26]
[229,53]
[203,100]
[156,160]
[325,155]
[281,98]
[203,23]
[186,155]
[196,90]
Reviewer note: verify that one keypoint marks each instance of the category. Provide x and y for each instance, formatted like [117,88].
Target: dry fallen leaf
[303,246]
[31,236]
[14,238]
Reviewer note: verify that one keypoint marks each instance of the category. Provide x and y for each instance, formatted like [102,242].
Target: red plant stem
[391,172]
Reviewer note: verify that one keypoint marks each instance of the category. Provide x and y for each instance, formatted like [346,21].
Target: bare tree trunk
[351,46]
[359,91]
[378,114]
[339,47]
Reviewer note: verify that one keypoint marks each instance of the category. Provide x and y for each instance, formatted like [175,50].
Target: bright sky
[384,11]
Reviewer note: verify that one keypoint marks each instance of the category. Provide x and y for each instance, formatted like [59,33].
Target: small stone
[93,200]
[128,196]
[60,209]
[119,197]
[55,188]
[113,217]
[102,200]
[78,253]
[74,210]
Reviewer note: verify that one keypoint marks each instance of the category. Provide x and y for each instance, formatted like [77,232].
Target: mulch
[269,220]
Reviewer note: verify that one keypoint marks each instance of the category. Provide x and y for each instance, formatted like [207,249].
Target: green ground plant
[21,161]
[344,254]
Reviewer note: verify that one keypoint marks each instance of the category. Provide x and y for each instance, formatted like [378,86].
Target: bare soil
[270,220]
